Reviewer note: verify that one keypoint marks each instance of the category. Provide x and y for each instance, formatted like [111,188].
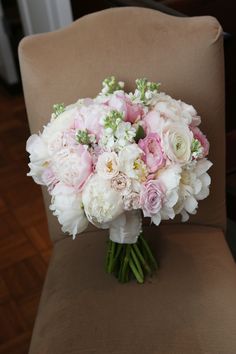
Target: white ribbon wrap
[126,227]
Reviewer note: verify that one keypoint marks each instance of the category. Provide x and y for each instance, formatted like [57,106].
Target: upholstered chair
[190,305]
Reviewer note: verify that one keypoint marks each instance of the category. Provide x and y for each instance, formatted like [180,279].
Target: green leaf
[140,134]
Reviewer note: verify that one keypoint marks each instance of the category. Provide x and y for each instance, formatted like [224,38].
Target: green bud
[113,119]
[58,109]
[110,85]
[196,146]
[82,137]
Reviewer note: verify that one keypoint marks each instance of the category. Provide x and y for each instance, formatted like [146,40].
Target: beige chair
[190,306]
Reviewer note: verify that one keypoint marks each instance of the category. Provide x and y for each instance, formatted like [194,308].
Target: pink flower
[89,118]
[153,122]
[197,133]
[49,179]
[151,197]
[153,154]
[122,103]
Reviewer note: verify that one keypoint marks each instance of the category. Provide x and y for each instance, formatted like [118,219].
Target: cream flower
[66,204]
[131,164]
[101,203]
[39,157]
[177,141]
[107,165]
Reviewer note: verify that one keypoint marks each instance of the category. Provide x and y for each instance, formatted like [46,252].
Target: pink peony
[197,133]
[153,154]
[89,118]
[153,122]
[151,197]
[122,103]
[49,179]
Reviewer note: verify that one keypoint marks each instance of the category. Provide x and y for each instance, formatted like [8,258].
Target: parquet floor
[24,241]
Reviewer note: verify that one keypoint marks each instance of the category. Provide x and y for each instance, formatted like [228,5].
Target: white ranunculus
[37,148]
[194,186]
[102,204]
[107,165]
[67,205]
[130,162]
[177,140]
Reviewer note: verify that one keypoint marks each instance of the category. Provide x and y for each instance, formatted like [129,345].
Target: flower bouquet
[115,158]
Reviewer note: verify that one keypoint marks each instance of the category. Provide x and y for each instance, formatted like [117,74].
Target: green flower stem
[143,261]
[108,253]
[150,255]
[135,272]
[125,263]
[111,258]
[136,262]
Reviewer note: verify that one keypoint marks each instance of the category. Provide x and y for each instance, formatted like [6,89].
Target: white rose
[37,148]
[107,165]
[102,204]
[66,204]
[177,139]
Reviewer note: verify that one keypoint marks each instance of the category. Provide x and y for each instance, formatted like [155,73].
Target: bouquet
[118,157]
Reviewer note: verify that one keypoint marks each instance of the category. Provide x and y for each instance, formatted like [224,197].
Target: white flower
[39,158]
[66,204]
[130,162]
[177,141]
[194,186]
[55,143]
[102,204]
[107,165]
[125,134]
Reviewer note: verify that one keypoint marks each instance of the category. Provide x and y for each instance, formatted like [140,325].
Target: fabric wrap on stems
[126,228]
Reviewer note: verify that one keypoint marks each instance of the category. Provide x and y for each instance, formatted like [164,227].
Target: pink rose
[122,103]
[153,154]
[202,139]
[151,197]
[89,118]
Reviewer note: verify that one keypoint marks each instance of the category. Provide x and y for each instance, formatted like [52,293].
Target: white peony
[107,165]
[102,204]
[67,205]
[39,158]
[194,186]
[177,140]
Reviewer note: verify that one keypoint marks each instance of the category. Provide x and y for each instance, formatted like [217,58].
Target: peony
[107,165]
[37,148]
[122,103]
[101,203]
[89,118]
[151,199]
[194,186]
[177,140]
[153,153]
[197,134]
[72,166]
[66,204]
[49,179]
[153,122]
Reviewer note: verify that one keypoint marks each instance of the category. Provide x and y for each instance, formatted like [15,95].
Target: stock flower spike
[116,158]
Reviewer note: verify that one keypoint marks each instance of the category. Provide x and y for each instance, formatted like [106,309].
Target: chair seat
[188,307]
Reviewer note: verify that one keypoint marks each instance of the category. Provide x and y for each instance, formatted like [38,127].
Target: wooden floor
[24,241]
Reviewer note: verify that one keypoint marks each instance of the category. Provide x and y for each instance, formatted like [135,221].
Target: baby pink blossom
[151,197]
[197,133]
[49,179]
[153,154]
[122,103]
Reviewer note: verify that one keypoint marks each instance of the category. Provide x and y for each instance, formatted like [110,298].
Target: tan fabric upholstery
[189,308]
[185,309]
[185,54]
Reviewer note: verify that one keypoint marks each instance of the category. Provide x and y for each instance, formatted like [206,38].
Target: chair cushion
[188,307]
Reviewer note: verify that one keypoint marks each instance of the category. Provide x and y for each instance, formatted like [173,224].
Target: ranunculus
[151,198]
[197,134]
[107,165]
[102,203]
[37,148]
[153,154]
[72,166]
[67,205]
[89,118]
[122,103]
[177,140]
